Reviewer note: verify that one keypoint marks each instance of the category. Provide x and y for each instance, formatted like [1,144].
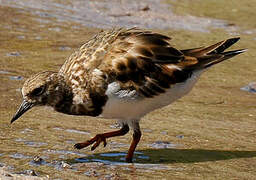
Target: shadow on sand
[166,156]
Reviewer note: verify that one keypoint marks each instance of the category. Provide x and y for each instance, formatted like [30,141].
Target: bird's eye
[38,91]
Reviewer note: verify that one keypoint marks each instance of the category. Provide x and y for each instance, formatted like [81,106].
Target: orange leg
[102,138]
[135,141]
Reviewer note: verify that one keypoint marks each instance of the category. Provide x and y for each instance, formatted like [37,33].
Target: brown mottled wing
[90,55]
[138,60]
[146,62]
[79,70]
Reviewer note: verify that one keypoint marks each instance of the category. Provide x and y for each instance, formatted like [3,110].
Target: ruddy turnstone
[122,74]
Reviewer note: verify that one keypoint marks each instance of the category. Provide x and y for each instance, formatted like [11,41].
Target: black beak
[25,106]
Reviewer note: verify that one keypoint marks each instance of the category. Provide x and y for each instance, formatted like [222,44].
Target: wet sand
[208,134]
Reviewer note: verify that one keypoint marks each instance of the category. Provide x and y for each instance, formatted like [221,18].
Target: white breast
[127,105]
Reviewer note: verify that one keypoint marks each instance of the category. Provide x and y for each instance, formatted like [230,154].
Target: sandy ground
[209,134]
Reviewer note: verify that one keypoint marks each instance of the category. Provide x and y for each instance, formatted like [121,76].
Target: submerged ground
[209,134]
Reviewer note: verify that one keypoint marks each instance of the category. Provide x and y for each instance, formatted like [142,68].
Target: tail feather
[225,45]
[213,49]
[226,55]
[230,54]
[192,52]
[213,54]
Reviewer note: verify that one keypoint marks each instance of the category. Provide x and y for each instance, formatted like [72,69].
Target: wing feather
[138,60]
[144,61]
[148,63]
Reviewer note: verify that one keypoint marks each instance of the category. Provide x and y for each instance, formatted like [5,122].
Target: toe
[104,142]
[78,146]
[100,139]
[128,160]
[95,145]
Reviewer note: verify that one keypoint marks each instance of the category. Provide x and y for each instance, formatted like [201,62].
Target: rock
[29,172]
[13,54]
[16,77]
[64,48]
[38,160]
[251,87]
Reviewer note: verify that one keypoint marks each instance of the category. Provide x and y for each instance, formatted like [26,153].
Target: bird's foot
[96,140]
[128,159]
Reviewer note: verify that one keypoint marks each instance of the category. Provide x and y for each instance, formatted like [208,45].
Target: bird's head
[37,90]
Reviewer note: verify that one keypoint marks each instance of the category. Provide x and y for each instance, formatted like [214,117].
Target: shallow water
[36,36]
[19,156]
[31,143]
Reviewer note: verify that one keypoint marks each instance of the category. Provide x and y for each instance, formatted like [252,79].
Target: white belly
[128,107]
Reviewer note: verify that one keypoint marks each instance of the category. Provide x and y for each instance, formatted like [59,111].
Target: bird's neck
[61,96]
[65,98]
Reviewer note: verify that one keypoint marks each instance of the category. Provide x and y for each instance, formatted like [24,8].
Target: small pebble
[115,126]
[64,165]
[21,37]
[147,130]
[92,173]
[4,72]
[146,8]
[42,14]
[13,54]
[38,160]
[16,78]
[56,29]
[38,38]
[180,136]
[111,176]
[29,172]
[251,87]
[64,48]
[164,132]
[2,164]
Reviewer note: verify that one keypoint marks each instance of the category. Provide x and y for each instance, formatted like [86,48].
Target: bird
[122,74]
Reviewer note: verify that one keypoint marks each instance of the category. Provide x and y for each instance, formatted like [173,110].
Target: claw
[104,143]
[96,140]
[78,146]
[94,146]
[102,138]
